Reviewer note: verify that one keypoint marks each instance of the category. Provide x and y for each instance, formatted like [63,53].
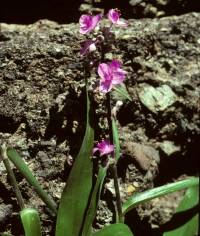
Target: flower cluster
[110,73]
[89,22]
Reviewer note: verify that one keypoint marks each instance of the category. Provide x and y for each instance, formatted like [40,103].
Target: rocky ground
[42,112]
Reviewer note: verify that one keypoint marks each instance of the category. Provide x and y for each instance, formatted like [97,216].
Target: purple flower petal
[115,64]
[114,17]
[85,22]
[111,74]
[119,76]
[88,23]
[104,71]
[105,85]
[95,20]
[104,148]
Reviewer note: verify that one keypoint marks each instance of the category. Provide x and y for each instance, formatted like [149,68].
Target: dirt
[42,113]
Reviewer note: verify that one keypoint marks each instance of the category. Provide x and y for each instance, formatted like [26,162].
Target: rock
[169,148]
[135,2]
[163,2]
[156,99]
[130,190]
[146,156]
[5,212]
[85,7]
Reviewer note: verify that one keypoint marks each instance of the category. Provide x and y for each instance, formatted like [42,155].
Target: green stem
[114,164]
[120,217]
[109,116]
[12,177]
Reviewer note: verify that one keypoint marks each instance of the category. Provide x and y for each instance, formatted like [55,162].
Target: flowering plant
[79,200]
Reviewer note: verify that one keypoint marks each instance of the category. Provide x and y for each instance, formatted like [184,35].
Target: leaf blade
[20,164]
[158,192]
[91,212]
[118,229]
[190,200]
[31,222]
[72,209]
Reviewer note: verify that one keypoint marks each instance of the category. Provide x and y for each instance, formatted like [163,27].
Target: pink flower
[104,148]
[114,17]
[88,23]
[111,74]
[87,47]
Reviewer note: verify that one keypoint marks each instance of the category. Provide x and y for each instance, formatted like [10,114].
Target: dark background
[66,11]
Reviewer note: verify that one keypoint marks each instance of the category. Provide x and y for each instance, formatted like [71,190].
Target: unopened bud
[116,108]
[92,47]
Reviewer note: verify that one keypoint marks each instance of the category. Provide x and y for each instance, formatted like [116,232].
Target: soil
[42,113]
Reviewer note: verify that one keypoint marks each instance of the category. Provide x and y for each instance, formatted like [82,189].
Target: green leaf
[11,176]
[120,92]
[116,139]
[27,173]
[75,196]
[139,198]
[190,228]
[114,230]
[31,222]
[91,212]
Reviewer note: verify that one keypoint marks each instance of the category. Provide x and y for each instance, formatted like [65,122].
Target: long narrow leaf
[27,173]
[116,139]
[114,230]
[11,176]
[78,187]
[91,212]
[190,228]
[139,198]
[31,222]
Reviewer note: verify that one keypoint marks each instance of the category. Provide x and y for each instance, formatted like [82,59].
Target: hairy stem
[12,177]
[114,164]
[109,117]
[120,217]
